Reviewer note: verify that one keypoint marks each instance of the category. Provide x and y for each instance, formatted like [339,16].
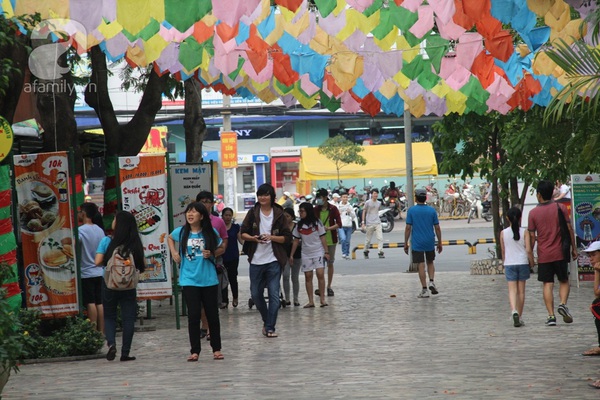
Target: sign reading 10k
[187,180]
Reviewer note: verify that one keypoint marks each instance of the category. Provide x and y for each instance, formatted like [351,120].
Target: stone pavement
[367,345]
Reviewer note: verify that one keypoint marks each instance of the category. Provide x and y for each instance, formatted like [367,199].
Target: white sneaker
[424,294]
[516,319]
[432,288]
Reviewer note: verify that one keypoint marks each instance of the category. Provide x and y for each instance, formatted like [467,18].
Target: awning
[383,161]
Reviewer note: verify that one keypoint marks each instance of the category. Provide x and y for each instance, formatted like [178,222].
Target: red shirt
[219,225]
[543,219]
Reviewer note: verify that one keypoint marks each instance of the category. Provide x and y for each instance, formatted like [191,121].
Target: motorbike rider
[392,191]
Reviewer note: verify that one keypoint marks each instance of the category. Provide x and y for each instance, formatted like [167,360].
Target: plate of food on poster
[39,210]
[56,257]
[147,218]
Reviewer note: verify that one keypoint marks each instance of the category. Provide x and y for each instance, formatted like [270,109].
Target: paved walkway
[367,345]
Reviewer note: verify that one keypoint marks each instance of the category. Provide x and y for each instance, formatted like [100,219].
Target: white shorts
[312,263]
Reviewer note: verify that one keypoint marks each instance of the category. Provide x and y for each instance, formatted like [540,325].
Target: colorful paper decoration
[329,50]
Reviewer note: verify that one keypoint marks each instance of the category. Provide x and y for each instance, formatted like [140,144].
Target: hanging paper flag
[436,47]
[500,46]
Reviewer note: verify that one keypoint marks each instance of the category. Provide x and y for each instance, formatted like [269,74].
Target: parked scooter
[387,219]
[476,206]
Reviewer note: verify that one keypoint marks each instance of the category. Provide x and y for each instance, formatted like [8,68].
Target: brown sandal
[217,355]
[595,351]
[193,357]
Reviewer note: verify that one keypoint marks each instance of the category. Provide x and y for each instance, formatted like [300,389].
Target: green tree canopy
[342,152]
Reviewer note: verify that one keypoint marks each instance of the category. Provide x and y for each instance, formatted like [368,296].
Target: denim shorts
[518,272]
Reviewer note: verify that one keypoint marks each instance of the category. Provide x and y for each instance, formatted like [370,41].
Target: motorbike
[357,217]
[433,198]
[477,207]
[398,205]
[387,219]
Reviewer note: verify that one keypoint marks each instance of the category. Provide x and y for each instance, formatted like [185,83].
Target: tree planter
[3,379]
[488,266]
[492,266]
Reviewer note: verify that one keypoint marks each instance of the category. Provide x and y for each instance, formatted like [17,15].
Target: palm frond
[581,65]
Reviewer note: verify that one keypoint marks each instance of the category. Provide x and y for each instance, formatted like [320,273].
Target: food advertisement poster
[144,194]
[585,218]
[42,187]
[187,180]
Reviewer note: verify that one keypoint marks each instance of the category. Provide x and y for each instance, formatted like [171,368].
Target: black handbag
[565,237]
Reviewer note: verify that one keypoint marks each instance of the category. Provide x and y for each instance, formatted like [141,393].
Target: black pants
[195,298]
[232,274]
[597,322]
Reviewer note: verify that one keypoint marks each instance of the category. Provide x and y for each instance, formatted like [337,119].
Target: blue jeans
[266,276]
[127,300]
[345,235]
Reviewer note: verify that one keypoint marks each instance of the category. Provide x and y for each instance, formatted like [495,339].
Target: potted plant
[14,339]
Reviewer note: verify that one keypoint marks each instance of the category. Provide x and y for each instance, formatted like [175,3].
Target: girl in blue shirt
[127,239]
[198,247]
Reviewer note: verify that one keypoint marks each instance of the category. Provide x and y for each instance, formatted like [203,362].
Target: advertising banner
[229,152]
[187,180]
[144,194]
[585,191]
[45,223]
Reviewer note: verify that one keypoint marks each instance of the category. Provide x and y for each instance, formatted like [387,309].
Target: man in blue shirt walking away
[421,222]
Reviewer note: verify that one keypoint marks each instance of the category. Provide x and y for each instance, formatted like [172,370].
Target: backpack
[120,273]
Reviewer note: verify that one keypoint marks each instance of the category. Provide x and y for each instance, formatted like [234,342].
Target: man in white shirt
[345,231]
[267,232]
[372,224]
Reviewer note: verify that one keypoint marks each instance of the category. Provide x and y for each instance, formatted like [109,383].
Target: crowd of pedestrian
[279,244]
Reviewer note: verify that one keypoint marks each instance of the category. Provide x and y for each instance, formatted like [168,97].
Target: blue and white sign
[253,158]
[260,158]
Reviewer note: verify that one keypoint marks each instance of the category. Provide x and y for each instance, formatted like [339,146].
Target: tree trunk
[121,140]
[494,147]
[193,121]
[127,139]
[55,101]
[514,192]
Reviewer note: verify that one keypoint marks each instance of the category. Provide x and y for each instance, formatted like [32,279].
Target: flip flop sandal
[193,357]
[595,385]
[309,306]
[218,356]
[592,352]
[271,335]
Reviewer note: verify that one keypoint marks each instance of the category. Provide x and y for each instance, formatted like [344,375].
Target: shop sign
[585,193]
[286,151]
[144,194]
[187,180]
[229,156]
[253,159]
[6,138]
[45,224]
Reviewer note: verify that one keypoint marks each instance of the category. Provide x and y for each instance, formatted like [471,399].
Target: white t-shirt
[347,214]
[514,251]
[566,190]
[264,251]
[311,239]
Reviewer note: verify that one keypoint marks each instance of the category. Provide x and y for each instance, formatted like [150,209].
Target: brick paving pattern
[366,345]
